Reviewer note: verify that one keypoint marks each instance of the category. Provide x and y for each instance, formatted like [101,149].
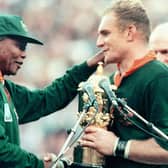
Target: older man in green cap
[14,26]
[19,105]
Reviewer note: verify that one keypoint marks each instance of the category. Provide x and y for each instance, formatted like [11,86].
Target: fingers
[91,129]
[100,54]
[88,137]
[49,157]
[87,143]
[98,57]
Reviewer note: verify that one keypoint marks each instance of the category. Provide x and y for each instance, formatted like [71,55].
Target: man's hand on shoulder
[98,57]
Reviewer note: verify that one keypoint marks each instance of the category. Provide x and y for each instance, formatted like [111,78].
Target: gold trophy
[99,117]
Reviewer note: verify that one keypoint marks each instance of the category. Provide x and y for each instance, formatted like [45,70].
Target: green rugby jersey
[145,91]
[26,106]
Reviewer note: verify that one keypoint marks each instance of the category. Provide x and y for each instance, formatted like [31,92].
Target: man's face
[160,45]
[110,39]
[12,53]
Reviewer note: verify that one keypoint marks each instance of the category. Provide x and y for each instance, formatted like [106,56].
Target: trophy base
[86,157]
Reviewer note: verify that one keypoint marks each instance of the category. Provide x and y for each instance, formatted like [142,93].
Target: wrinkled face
[110,39]
[160,45]
[12,53]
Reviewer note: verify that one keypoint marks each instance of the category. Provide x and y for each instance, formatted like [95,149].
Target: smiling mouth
[105,50]
[19,63]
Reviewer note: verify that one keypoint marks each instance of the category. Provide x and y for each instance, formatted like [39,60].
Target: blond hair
[131,12]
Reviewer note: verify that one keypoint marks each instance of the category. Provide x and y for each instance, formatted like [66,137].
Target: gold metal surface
[100,118]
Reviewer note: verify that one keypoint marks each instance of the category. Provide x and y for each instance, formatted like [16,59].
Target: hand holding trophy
[98,114]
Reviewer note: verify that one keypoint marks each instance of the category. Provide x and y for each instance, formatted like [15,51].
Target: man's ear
[130,32]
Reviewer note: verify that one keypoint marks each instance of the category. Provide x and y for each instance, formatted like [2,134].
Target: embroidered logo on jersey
[7,113]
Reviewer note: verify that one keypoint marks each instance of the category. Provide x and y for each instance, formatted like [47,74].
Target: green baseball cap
[12,25]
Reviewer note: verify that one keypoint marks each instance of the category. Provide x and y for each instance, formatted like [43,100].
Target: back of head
[160,33]
[159,42]
[131,12]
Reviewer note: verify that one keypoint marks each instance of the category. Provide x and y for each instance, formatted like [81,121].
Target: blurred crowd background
[68,29]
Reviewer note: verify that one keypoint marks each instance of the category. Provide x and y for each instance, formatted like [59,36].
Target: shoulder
[12,86]
[153,69]
[156,67]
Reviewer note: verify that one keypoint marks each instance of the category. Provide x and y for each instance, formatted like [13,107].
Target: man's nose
[100,42]
[23,54]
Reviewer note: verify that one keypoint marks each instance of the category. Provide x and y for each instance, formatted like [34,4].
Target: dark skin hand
[48,160]
[98,57]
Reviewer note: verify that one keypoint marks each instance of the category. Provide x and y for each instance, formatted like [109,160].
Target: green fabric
[146,92]
[32,105]
[11,25]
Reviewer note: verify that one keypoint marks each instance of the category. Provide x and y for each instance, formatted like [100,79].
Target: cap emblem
[23,26]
